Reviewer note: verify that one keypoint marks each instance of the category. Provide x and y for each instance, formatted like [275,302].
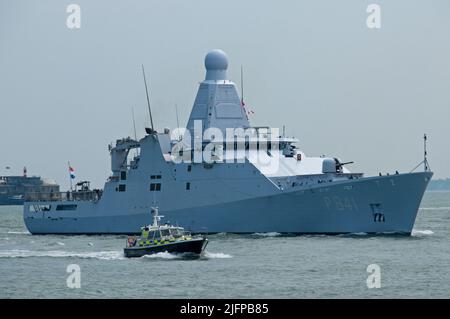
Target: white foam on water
[19,232]
[91,244]
[60,243]
[164,255]
[435,208]
[269,234]
[209,255]
[103,255]
[171,256]
[359,234]
[418,233]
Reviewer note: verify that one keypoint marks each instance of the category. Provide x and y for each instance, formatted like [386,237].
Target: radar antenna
[148,99]
[156,217]
[178,122]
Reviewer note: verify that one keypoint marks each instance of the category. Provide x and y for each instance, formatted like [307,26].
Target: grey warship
[209,180]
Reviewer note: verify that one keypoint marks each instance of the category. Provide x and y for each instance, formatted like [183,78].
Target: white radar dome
[216,60]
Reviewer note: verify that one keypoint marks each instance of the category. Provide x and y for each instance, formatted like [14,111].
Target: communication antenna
[148,100]
[134,127]
[242,86]
[178,122]
[425,154]
[242,92]
[426,166]
[134,123]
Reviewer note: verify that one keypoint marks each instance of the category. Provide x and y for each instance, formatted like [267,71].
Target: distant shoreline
[439,185]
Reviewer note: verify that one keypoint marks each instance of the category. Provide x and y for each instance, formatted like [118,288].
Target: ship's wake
[166,255]
[269,234]
[19,232]
[414,233]
[187,256]
[421,233]
[210,255]
[102,255]
[436,208]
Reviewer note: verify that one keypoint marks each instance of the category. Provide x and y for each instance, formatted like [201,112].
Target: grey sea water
[234,266]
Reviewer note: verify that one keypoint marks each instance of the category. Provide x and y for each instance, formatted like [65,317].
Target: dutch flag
[71,172]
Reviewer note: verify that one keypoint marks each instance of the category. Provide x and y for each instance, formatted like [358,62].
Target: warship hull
[381,204]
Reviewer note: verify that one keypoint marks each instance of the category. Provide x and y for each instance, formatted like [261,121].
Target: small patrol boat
[158,238]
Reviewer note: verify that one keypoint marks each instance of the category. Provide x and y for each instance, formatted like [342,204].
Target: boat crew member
[145,232]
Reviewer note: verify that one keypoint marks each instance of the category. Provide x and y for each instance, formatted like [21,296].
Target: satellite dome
[216,60]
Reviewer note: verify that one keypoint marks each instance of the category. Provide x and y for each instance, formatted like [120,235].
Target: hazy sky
[363,95]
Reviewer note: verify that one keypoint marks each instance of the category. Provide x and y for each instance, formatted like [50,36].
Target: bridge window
[41,208]
[122,188]
[155,177]
[165,232]
[188,186]
[123,175]
[66,207]
[189,168]
[155,187]
[154,235]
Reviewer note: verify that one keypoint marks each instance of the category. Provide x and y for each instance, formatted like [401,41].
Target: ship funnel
[216,64]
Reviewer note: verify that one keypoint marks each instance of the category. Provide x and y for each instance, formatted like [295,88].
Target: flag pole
[242,92]
[70,177]
[425,154]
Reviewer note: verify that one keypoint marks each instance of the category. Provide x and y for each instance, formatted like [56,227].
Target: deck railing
[91,195]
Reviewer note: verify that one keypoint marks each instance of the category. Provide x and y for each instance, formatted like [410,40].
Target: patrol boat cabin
[157,238]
